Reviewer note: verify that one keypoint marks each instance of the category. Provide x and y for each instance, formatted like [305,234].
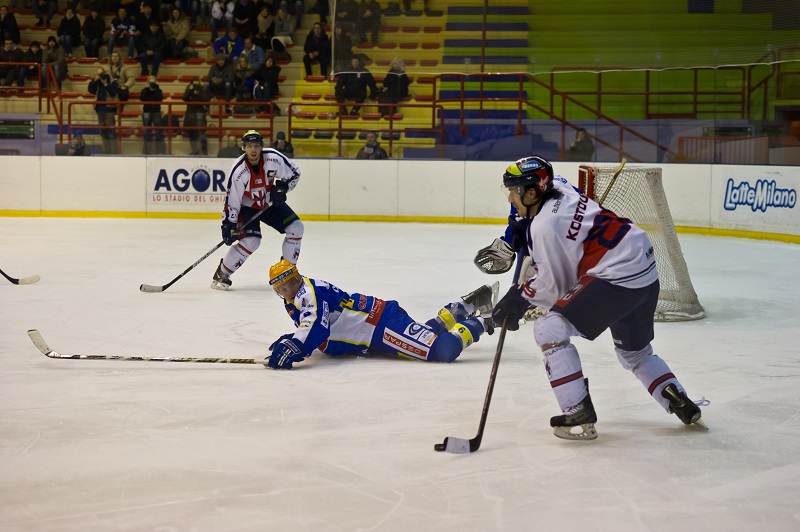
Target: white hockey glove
[496,258]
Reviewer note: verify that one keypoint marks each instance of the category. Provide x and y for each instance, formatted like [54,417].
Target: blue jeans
[297,11]
[37,9]
[115,40]
[217,23]
[66,42]
[60,71]
[155,59]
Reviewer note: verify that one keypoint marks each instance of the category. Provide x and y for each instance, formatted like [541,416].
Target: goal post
[638,194]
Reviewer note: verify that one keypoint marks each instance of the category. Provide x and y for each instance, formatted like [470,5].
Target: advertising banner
[757,198]
[186,185]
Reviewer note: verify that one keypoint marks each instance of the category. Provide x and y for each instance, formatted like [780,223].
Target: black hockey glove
[278,193]
[229,234]
[511,308]
[519,231]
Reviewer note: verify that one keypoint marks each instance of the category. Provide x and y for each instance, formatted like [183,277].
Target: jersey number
[608,229]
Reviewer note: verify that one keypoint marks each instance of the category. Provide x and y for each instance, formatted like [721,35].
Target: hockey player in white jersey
[259,179]
[337,323]
[594,271]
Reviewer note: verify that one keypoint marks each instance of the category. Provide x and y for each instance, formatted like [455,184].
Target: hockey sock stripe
[566,380]
[655,384]
[244,249]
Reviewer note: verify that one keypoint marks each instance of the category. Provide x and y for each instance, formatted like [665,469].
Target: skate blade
[587,432]
[700,424]
[219,286]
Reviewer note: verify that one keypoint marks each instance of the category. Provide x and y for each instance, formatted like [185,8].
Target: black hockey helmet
[528,172]
[252,136]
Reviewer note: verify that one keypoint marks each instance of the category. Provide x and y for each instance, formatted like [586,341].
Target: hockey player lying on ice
[338,323]
[594,271]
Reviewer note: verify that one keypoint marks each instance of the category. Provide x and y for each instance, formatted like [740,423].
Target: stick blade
[454,446]
[38,340]
[30,280]
[150,288]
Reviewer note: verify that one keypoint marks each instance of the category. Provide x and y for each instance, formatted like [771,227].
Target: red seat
[172,61]
[384,62]
[430,46]
[389,29]
[387,45]
[365,46]
[315,79]
[88,60]
[371,116]
[408,45]
[432,29]
[330,97]
[410,29]
[428,62]
[166,79]
[311,96]
[327,116]
[195,61]
[424,98]
[186,78]
[425,79]
[396,116]
[70,95]
[305,114]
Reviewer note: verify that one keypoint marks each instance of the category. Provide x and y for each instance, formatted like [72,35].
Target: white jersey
[250,187]
[573,236]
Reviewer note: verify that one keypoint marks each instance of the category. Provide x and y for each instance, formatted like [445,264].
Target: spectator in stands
[32,55]
[265,30]
[203,15]
[322,8]
[407,7]
[196,116]
[123,75]
[77,146]
[317,48]
[142,21]
[346,16]
[105,90]
[230,45]
[177,31]
[265,82]
[221,16]
[255,54]
[296,10]
[354,84]
[369,20]
[395,86]
[8,26]
[94,26]
[372,149]
[232,150]
[152,45]
[282,145]
[151,117]
[49,7]
[244,17]
[10,73]
[243,79]
[342,50]
[54,55]
[219,80]
[69,31]
[122,27]
[582,148]
[284,30]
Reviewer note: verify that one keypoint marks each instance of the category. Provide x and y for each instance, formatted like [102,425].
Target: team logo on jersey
[404,346]
[420,333]
[362,302]
[325,313]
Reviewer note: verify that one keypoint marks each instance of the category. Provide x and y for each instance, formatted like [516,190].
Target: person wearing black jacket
[94,26]
[353,84]
[152,45]
[395,86]
[266,82]
[105,90]
[151,117]
[69,31]
[317,48]
[9,29]
[342,49]
[32,55]
[196,116]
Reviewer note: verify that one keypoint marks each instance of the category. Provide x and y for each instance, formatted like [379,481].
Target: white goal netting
[638,194]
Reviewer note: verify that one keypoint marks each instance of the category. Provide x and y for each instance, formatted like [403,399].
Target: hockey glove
[511,308]
[518,231]
[274,344]
[229,234]
[495,258]
[278,192]
[286,353]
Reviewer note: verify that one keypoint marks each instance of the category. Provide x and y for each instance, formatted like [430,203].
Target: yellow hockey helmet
[283,273]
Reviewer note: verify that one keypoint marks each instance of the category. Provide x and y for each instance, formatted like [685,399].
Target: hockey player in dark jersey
[595,271]
[339,323]
[259,179]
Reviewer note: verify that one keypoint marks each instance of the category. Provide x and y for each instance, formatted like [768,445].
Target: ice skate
[582,416]
[484,299]
[682,406]
[220,281]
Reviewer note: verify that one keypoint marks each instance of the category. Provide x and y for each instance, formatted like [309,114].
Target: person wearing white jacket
[221,16]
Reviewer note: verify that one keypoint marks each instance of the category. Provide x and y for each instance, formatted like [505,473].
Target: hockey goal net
[638,194]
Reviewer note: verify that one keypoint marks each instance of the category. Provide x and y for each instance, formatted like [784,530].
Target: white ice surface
[347,444]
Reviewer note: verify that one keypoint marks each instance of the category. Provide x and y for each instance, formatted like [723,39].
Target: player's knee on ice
[449,345]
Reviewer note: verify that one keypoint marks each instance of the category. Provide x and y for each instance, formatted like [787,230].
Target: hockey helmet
[528,172]
[282,275]
[252,136]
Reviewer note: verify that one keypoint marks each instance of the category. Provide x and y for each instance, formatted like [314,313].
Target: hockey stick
[39,342]
[152,288]
[25,280]
[613,179]
[460,445]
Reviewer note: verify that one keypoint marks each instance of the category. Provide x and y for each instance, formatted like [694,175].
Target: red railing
[169,130]
[392,123]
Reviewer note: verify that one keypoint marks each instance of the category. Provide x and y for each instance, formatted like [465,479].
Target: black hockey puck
[439,447]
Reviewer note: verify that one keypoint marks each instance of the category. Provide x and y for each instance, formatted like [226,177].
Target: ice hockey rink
[347,444]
